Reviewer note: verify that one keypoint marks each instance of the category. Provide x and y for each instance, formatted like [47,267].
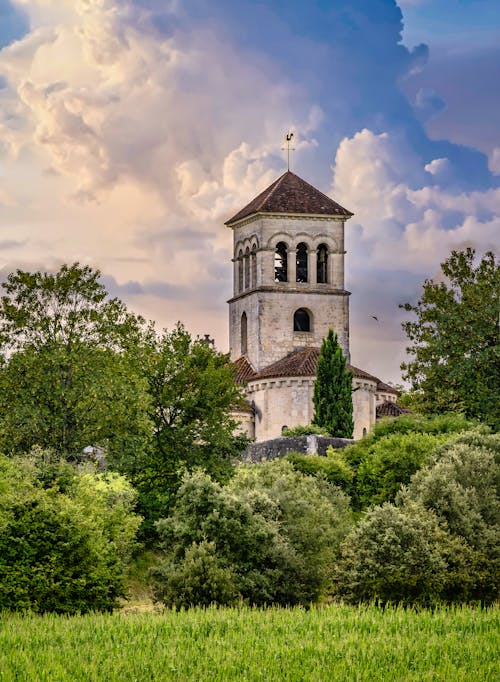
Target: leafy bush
[391,462]
[306,430]
[333,467]
[270,536]
[404,556]
[462,488]
[394,451]
[65,536]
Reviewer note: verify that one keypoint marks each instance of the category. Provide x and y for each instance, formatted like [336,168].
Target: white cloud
[494,161]
[406,222]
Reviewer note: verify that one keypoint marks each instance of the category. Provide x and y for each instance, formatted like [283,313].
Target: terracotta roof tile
[386,388]
[302,362]
[243,370]
[390,409]
[291,194]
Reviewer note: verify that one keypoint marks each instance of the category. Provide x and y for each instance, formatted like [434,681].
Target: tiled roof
[291,194]
[385,388]
[301,363]
[243,370]
[390,409]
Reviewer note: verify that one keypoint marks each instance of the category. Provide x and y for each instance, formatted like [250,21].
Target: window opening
[301,262]
[247,268]
[253,257]
[244,334]
[281,262]
[240,270]
[301,321]
[322,263]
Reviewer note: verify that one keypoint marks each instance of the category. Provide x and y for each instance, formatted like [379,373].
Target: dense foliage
[270,536]
[332,396]
[440,541]
[69,375]
[65,535]
[455,340]
[372,470]
[192,392]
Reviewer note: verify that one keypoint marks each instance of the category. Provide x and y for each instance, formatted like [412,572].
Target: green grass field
[334,643]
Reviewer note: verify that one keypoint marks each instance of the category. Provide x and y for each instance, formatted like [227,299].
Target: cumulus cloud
[131,129]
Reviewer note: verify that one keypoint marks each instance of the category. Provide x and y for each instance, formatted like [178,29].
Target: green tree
[65,535]
[455,339]
[387,457]
[461,486]
[333,390]
[402,556]
[69,373]
[192,392]
[271,535]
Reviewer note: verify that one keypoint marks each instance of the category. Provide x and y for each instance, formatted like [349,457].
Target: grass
[334,643]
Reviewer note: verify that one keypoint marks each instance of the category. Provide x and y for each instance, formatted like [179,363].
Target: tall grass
[335,643]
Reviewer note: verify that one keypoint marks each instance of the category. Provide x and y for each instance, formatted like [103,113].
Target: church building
[289,290]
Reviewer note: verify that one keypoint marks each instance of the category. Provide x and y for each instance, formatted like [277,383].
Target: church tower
[288,273]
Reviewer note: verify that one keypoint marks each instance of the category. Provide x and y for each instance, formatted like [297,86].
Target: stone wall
[280,447]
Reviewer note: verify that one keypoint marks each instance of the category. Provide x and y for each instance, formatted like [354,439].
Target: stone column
[312,272]
[292,266]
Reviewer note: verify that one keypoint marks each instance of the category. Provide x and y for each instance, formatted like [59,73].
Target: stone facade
[269,306]
[289,290]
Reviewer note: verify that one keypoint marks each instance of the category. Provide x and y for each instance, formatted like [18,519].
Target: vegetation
[388,457]
[66,535]
[68,368]
[306,430]
[192,391]
[343,643]
[455,340]
[78,370]
[271,536]
[332,397]
[441,541]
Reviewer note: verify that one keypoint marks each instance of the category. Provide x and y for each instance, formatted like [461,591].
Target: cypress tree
[333,390]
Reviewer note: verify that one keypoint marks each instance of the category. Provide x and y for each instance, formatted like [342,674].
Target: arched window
[240,270]
[301,321]
[247,268]
[244,334]
[281,262]
[301,262]
[322,264]
[253,258]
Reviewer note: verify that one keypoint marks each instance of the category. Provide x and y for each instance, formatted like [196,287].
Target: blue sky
[131,129]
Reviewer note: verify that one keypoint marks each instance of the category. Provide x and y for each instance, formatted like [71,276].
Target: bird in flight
[375,318]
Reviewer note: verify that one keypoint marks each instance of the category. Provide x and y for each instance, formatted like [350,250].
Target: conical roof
[291,194]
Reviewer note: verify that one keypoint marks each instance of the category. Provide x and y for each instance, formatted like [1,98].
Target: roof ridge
[272,189]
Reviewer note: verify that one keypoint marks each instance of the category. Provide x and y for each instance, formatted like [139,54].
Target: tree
[271,535]
[333,390]
[461,487]
[192,391]
[66,535]
[402,555]
[69,371]
[455,339]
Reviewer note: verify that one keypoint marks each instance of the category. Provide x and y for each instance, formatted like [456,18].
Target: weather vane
[288,149]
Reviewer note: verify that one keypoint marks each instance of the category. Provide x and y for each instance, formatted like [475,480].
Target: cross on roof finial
[288,149]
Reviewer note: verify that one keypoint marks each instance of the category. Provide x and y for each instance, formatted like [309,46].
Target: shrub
[271,533]
[333,467]
[65,536]
[307,430]
[461,487]
[394,451]
[404,556]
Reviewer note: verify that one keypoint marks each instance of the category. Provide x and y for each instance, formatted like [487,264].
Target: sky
[130,130]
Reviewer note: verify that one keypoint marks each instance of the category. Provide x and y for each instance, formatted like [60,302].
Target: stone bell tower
[288,273]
